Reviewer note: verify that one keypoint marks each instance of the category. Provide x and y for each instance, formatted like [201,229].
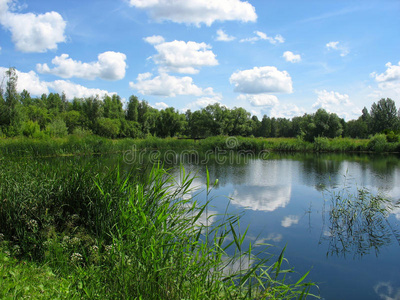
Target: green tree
[73,119]
[13,114]
[132,113]
[384,116]
[170,122]
[357,128]
[108,127]
[265,128]
[57,128]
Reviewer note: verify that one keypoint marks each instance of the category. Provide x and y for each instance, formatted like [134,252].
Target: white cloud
[260,99]
[30,81]
[262,80]
[288,111]
[167,85]
[182,57]
[154,40]
[27,81]
[335,46]
[198,11]
[388,82]
[262,36]
[337,103]
[110,66]
[262,198]
[289,221]
[392,73]
[291,57]
[161,105]
[73,90]
[223,37]
[203,102]
[275,237]
[31,32]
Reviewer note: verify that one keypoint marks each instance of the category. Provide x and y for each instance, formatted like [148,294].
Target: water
[288,200]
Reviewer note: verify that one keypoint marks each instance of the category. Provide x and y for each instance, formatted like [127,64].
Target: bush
[377,143]
[29,128]
[321,144]
[57,128]
[391,137]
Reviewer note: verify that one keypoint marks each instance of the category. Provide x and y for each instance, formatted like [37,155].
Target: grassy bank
[83,145]
[93,232]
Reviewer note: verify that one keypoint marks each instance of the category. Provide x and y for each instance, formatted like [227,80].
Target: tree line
[52,115]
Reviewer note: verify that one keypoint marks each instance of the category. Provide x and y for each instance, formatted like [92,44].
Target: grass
[95,232]
[92,144]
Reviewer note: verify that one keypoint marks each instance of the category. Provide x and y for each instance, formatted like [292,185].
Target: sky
[280,58]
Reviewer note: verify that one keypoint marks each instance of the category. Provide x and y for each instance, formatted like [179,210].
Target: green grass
[25,279]
[97,232]
[92,144]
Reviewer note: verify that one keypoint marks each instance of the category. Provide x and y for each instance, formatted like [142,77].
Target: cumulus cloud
[337,103]
[31,82]
[154,40]
[260,99]
[335,46]
[289,221]
[262,36]
[203,102]
[223,37]
[110,66]
[388,82]
[197,12]
[73,90]
[261,80]
[161,105]
[392,73]
[167,85]
[291,57]
[182,57]
[27,81]
[286,110]
[31,32]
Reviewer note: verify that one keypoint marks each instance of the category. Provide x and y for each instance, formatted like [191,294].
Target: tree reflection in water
[358,223]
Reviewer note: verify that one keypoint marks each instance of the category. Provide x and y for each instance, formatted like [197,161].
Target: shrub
[29,128]
[57,128]
[377,143]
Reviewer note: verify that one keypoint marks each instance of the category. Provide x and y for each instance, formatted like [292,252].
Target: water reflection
[386,291]
[261,198]
[358,224]
[289,221]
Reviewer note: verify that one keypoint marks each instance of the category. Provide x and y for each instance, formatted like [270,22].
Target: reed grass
[117,233]
[92,144]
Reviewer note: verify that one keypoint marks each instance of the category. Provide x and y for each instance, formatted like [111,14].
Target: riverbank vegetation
[81,230]
[54,116]
[92,144]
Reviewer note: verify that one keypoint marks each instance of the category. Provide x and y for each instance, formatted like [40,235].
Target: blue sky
[280,58]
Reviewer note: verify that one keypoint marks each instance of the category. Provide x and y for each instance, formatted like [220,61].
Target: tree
[132,113]
[12,114]
[384,116]
[170,122]
[357,128]
[265,128]
[108,127]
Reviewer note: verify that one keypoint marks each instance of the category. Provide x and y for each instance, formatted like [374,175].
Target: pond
[309,202]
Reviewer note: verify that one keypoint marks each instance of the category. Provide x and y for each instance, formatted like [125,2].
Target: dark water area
[307,202]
